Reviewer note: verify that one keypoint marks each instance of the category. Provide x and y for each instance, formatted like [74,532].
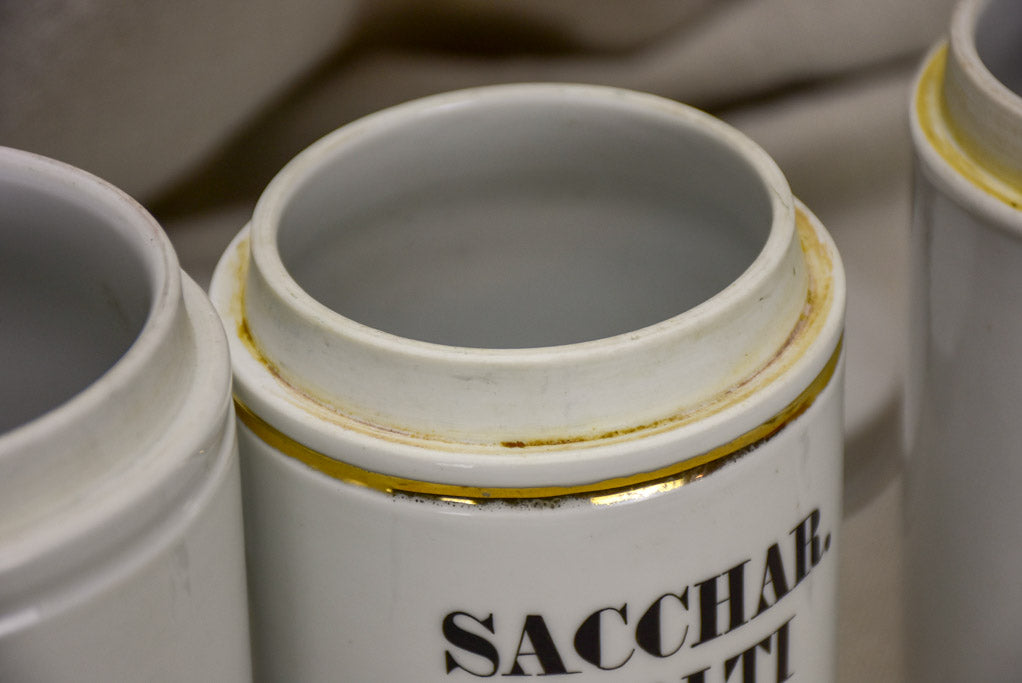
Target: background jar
[963,535]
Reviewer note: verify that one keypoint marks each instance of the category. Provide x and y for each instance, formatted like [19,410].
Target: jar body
[735,571]
[171,606]
[962,535]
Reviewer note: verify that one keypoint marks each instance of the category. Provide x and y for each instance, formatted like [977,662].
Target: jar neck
[982,88]
[542,394]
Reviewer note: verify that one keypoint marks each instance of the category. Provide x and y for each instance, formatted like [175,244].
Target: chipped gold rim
[617,489]
[950,144]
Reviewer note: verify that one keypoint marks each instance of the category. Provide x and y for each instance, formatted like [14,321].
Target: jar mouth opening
[79,281]
[522,218]
[654,265]
[997,36]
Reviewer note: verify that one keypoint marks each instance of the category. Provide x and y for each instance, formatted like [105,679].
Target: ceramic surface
[963,536]
[121,552]
[538,380]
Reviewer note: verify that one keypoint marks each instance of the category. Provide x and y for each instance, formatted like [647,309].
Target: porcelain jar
[121,550]
[538,380]
[964,470]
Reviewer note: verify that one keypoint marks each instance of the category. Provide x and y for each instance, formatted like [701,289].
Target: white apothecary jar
[963,428]
[538,380]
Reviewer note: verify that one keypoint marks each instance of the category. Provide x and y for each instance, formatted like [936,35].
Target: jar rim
[296,371]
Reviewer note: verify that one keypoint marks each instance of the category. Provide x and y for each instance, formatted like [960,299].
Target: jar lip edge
[288,410]
[962,41]
[152,246]
[267,261]
[941,159]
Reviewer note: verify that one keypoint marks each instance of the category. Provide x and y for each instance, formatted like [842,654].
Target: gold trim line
[607,490]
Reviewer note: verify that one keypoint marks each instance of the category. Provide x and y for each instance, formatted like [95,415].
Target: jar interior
[73,297]
[523,222]
[999,42]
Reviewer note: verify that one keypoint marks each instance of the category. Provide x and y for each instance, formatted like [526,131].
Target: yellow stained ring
[951,144]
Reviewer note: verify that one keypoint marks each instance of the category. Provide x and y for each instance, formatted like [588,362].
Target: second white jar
[121,553]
